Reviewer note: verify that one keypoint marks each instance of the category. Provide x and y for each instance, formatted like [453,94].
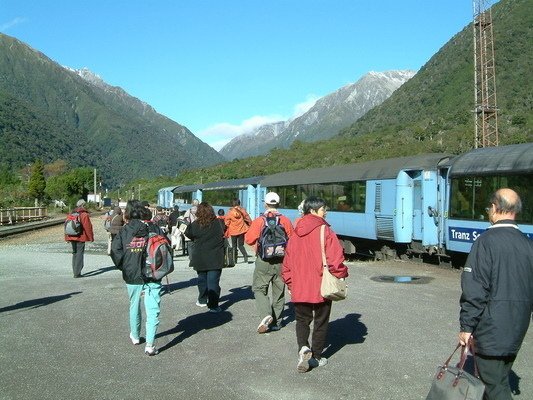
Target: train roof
[377,169]
[168,189]
[233,184]
[187,188]
[516,158]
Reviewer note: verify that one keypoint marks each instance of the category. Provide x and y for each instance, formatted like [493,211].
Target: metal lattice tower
[485,112]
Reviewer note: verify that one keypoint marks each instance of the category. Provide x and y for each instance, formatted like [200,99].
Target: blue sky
[221,67]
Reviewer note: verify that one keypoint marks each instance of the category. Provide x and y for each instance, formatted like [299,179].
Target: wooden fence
[11,216]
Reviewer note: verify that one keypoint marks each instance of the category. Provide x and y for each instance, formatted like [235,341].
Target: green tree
[70,186]
[37,184]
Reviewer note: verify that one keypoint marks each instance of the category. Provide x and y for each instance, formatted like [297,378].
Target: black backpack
[273,238]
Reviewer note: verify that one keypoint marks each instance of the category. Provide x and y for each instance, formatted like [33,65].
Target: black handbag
[454,383]
[229,260]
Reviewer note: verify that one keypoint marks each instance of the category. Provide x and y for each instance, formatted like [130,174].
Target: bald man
[497,294]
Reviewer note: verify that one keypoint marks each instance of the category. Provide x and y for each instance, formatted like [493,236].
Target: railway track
[9,230]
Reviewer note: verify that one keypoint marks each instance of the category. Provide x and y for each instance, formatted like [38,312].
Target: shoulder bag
[229,260]
[331,288]
[454,383]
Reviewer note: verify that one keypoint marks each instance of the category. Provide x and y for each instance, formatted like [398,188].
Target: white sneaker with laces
[265,323]
[305,355]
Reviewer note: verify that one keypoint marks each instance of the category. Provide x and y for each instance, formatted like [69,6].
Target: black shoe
[77,276]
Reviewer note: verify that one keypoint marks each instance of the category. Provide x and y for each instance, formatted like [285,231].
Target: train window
[342,196]
[183,198]
[470,195]
[220,197]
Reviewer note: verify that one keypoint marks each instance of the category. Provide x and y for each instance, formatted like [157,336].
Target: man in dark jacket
[78,242]
[497,298]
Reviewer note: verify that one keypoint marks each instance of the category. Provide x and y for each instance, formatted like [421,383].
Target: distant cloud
[218,135]
[10,24]
[302,108]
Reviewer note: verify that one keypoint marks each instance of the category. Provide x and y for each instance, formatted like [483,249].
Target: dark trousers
[238,241]
[78,249]
[209,287]
[318,314]
[494,372]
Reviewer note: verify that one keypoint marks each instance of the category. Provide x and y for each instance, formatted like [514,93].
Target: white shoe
[201,304]
[305,355]
[133,340]
[150,350]
[314,363]
[265,323]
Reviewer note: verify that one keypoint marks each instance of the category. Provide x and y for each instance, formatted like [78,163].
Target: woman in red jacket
[302,272]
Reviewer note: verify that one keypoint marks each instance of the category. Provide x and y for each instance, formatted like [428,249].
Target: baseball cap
[271,198]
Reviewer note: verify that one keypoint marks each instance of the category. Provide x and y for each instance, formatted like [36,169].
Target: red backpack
[158,254]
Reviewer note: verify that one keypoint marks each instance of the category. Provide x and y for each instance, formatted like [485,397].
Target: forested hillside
[51,113]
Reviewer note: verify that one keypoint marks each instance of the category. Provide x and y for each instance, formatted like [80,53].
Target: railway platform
[65,338]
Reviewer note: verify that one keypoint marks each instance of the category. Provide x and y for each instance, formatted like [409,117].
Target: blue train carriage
[473,177]
[165,197]
[247,190]
[373,206]
[184,195]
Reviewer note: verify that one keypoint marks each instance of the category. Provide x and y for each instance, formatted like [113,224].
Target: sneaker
[133,340]
[150,350]
[314,363]
[304,359]
[215,310]
[263,326]
[200,304]
[274,328]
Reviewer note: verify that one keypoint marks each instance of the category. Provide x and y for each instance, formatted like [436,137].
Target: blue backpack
[273,238]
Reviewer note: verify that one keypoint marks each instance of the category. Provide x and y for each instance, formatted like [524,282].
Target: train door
[430,205]
[418,225]
[248,198]
[403,213]
[442,205]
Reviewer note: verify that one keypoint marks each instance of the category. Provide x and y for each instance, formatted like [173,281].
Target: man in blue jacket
[497,298]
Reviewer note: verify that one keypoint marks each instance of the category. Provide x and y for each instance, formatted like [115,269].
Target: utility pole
[94,181]
[485,111]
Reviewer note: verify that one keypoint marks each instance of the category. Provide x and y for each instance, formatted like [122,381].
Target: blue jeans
[209,287]
[152,302]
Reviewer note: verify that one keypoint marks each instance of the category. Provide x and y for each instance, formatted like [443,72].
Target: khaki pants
[266,275]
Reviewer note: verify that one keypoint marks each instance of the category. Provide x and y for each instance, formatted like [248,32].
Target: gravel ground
[65,338]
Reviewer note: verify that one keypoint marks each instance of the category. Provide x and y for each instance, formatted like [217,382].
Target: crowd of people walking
[497,280]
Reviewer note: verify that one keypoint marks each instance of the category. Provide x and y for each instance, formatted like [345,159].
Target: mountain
[259,141]
[325,119]
[51,112]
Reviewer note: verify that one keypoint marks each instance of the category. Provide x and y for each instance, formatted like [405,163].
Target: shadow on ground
[344,331]
[36,303]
